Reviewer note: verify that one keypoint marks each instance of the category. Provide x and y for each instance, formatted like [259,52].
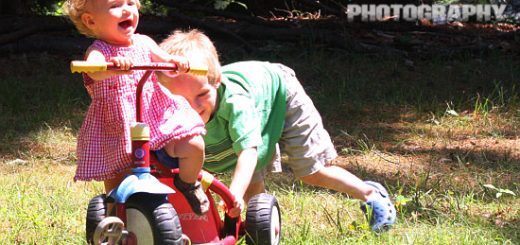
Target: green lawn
[443,135]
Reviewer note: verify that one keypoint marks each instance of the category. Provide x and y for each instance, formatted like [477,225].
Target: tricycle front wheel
[263,222]
[151,219]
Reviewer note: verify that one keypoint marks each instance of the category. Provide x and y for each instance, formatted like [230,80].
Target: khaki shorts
[304,139]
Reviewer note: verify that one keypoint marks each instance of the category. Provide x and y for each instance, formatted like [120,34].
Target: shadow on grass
[38,93]
[354,92]
[392,155]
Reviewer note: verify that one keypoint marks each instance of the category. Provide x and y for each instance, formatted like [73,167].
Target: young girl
[104,145]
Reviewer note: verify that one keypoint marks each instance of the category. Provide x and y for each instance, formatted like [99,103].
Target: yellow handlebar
[201,71]
[86,66]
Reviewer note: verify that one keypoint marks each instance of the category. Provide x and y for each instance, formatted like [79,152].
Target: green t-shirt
[250,113]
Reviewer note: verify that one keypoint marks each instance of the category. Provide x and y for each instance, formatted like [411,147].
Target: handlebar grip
[198,70]
[86,66]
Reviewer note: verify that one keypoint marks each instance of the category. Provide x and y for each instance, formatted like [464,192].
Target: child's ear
[88,20]
[217,82]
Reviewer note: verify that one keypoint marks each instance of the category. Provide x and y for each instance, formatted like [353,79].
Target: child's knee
[189,146]
[196,143]
[315,179]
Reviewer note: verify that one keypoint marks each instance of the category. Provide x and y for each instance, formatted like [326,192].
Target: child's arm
[159,55]
[95,55]
[244,170]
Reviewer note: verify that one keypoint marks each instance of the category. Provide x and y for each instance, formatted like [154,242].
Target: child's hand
[123,63]
[236,210]
[183,65]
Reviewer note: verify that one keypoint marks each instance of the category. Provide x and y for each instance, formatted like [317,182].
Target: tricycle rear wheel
[96,212]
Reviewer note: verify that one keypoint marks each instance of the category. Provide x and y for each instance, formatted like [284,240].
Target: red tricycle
[148,208]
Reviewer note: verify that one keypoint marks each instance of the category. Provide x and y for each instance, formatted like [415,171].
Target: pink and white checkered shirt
[104,146]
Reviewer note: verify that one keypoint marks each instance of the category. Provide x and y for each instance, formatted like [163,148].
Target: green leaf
[510,192]
[402,199]
[452,112]
[221,4]
[241,4]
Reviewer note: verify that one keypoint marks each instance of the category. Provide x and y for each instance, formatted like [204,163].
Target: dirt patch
[462,162]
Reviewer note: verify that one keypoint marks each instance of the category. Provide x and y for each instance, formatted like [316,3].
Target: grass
[40,203]
[443,135]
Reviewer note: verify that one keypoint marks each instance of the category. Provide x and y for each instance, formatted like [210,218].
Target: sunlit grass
[40,203]
[320,217]
[438,136]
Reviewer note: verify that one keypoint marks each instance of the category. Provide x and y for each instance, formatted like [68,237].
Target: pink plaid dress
[104,144]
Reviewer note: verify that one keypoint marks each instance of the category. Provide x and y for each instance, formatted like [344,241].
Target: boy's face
[201,95]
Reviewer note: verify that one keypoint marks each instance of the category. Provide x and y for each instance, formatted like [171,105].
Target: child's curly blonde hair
[194,43]
[76,8]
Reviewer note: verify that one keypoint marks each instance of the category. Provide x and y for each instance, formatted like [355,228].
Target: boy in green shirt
[248,108]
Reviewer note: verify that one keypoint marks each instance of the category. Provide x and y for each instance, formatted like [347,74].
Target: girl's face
[113,21]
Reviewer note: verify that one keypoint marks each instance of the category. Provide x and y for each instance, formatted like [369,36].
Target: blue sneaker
[383,211]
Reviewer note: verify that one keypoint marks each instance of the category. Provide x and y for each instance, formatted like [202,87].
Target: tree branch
[30,26]
[323,7]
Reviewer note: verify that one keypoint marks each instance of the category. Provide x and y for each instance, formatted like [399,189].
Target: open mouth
[125,24]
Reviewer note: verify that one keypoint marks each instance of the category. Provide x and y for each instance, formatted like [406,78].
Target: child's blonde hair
[194,43]
[76,8]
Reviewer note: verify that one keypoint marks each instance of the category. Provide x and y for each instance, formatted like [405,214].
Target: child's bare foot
[194,195]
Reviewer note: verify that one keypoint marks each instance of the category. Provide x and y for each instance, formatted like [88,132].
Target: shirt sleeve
[244,123]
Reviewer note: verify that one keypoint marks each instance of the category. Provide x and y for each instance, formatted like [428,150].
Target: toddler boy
[248,108]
